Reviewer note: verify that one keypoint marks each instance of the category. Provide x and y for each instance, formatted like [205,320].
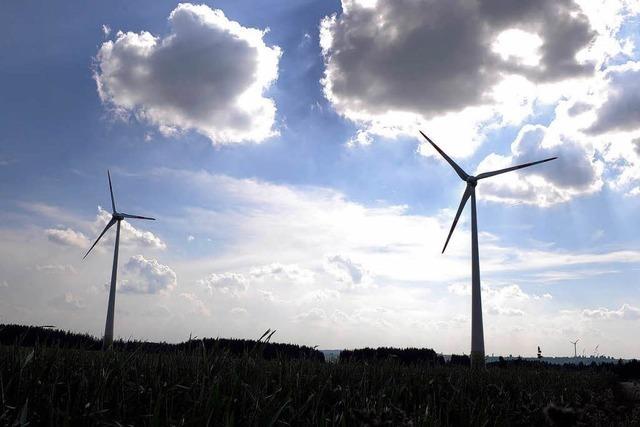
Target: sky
[277,143]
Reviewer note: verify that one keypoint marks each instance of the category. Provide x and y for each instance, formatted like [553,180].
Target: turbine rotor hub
[472,181]
[117,216]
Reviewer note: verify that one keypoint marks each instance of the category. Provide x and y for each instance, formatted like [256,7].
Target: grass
[55,386]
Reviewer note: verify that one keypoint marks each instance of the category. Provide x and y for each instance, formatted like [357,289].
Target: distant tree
[460,360]
[404,355]
[29,336]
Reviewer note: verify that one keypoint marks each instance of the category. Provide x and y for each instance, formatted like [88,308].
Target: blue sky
[278,147]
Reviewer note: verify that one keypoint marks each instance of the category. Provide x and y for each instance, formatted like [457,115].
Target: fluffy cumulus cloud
[277,271]
[626,312]
[594,132]
[576,170]
[620,111]
[460,70]
[237,283]
[346,271]
[67,237]
[502,300]
[395,65]
[209,75]
[147,276]
[227,283]
[129,235]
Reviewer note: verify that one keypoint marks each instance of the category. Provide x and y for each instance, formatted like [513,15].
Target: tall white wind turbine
[575,351]
[116,217]
[477,334]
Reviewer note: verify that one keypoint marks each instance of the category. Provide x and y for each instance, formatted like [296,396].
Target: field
[58,386]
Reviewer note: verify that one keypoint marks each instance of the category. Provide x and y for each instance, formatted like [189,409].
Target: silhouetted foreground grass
[48,385]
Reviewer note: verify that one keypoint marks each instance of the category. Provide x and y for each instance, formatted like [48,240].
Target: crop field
[57,386]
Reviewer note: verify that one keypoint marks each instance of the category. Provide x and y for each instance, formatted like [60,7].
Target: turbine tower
[575,352]
[477,334]
[116,217]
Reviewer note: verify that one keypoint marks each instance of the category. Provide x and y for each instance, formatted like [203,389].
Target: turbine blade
[465,197]
[109,224]
[113,202]
[461,173]
[512,168]
[136,216]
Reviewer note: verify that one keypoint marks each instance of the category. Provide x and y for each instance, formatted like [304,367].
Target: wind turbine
[477,334]
[575,352]
[116,217]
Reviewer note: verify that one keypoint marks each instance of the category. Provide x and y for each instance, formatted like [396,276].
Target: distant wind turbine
[575,352]
[477,334]
[116,217]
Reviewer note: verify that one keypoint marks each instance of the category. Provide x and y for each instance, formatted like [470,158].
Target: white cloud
[147,276]
[237,283]
[199,306]
[520,45]
[626,312]
[227,283]
[67,237]
[239,311]
[190,238]
[314,315]
[68,301]
[460,289]
[209,74]
[277,271]
[129,235]
[501,300]
[346,271]
[57,268]
[505,311]
[301,225]
[320,295]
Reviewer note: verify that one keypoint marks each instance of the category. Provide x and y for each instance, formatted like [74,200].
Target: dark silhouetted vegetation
[33,335]
[199,384]
[404,355]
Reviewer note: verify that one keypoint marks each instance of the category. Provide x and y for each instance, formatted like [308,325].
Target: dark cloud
[578,108]
[428,56]
[573,168]
[207,75]
[621,110]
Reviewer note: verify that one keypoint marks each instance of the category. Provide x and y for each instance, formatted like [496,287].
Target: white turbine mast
[575,351]
[116,218]
[477,334]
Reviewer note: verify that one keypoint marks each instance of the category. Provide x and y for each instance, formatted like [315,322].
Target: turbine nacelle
[472,181]
[115,216]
